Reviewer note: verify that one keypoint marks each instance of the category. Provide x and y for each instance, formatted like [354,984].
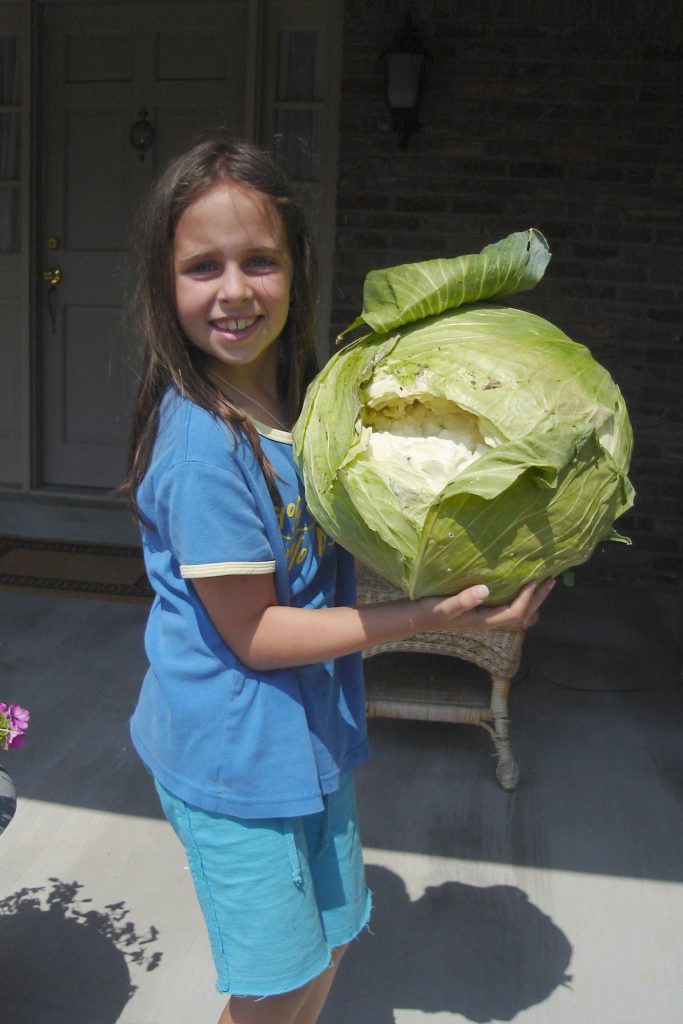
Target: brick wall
[566,118]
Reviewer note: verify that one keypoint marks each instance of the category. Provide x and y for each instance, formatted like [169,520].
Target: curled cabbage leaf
[462,441]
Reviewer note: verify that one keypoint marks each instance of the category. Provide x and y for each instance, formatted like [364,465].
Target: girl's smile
[235,325]
[233,273]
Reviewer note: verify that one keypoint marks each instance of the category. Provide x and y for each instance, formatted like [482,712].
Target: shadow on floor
[78,956]
[427,954]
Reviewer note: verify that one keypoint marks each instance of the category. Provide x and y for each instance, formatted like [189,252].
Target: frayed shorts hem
[274,988]
[287,986]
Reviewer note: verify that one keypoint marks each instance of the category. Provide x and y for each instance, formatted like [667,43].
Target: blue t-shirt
[213,731]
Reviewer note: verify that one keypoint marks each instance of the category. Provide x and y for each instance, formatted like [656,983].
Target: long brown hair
[170,360]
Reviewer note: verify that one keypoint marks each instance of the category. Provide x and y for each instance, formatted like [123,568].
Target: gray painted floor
[559,904]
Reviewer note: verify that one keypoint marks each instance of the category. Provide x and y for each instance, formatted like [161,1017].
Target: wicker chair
[498,652]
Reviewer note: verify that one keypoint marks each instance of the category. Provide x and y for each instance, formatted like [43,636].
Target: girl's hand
[465,612]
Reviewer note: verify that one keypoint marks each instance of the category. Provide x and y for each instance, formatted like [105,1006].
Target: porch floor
[558,904]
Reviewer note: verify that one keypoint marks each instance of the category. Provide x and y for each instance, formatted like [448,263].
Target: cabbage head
[462,441]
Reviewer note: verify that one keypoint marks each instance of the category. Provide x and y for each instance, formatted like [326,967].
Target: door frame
[17,18]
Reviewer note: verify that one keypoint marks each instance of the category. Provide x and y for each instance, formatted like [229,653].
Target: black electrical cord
[527,666]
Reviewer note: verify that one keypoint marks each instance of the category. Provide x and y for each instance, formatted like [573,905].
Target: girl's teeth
[239,325]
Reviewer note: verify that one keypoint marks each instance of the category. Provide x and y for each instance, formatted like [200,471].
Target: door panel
[103,56]
[98,216]
[186,66]
[91,413]
[198,54]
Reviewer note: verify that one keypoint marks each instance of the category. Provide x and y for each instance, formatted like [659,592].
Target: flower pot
[8,799]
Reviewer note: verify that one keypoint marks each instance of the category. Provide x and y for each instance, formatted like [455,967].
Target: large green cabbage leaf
[401,295]
[547,436]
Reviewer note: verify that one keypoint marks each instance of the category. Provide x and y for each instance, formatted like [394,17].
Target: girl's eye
[261,262]
[202,268]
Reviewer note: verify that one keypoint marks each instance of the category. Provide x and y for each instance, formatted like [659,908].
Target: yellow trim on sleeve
[189,572]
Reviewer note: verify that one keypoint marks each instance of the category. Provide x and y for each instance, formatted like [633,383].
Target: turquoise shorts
[277,894]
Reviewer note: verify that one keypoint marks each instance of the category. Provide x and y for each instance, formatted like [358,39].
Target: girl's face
[233,274]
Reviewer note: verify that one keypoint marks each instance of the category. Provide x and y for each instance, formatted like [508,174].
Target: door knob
[52,276]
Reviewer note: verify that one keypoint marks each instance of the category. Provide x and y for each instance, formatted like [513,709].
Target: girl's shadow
[484,953]
[63,964]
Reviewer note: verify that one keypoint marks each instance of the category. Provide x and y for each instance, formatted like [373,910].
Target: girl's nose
[235,286]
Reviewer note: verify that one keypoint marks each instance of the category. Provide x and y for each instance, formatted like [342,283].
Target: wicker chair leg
[507,771]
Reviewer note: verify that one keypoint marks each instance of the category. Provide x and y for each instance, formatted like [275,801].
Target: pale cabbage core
[418,442]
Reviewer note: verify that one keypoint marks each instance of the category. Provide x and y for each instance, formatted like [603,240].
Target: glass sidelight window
[298,105]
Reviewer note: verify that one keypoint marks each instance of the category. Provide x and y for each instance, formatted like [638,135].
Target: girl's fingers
[528,601]
[467,605]
[466,601]
[453,607]
[473,596]
[541,591]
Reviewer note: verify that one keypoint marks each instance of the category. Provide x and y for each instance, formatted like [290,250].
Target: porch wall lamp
[404,69]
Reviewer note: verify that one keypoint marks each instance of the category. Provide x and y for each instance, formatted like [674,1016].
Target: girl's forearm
[266,635]
[285,636]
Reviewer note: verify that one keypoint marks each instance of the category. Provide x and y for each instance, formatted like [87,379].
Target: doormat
[73,569]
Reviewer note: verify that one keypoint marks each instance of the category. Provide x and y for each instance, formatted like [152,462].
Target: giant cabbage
[462,441]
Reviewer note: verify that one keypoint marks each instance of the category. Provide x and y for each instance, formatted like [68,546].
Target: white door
[177,69]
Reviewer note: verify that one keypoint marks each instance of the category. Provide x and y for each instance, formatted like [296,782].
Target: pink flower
[13,724]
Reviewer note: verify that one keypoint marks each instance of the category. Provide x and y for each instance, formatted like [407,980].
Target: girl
[251,716]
